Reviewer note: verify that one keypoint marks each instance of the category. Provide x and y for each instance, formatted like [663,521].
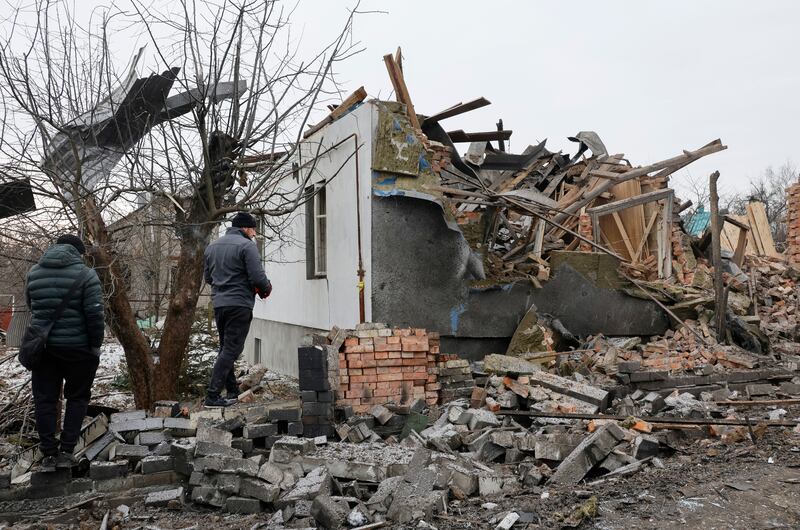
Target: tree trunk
[181,311]
[120,315]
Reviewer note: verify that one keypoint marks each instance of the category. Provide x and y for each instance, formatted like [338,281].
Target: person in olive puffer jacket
[73,346]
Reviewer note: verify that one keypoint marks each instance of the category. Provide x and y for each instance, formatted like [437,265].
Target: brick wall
[793,223]
[378,364]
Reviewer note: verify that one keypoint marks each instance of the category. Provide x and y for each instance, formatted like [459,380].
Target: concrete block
[628,367]
[645,446]
[239,466]
[5,479]
[562,385]
[508,521]
[93,450]
[759,390]
[260,430]
[131,452]
[207,433]
[258,489]
[182,427]
[157,464]
[242,505]
[287,448]
[284,415]
[381,414]
[416,507]
[120,417]
[214,449]
[593,449]
[482,418]
[129,425]
[151,438]
[228,484]
[107,470]
[153,424]
[271,473]
[243,444]
[47,479]
[209,496]
[164,497]
[294,428]
[316,409]
[329,511]
[317,482]
[555,447]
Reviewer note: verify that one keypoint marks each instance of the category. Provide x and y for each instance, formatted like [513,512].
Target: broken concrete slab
[370,462]
[330,512]
[164,497]
[591,450]
[505,364]
[258,489]
[317,482]
[581,391]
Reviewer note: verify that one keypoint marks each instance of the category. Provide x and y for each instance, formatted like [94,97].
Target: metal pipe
[360,272]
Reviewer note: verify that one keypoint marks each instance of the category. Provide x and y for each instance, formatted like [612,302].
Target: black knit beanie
[243,220]
[75,241]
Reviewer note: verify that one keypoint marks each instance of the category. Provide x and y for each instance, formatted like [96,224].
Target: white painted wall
[321,303]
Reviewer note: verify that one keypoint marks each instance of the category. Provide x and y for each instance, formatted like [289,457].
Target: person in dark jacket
[73,346]
[234,272]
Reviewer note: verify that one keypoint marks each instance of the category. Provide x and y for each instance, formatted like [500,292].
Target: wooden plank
[539,239]
[400,88]
[633,201]
[458,108]
[356,97]
[623,233]
[646,234]
[604,174]
[760,225]
[459,136]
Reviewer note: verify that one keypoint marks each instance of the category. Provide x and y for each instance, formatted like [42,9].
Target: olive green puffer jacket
[81,324]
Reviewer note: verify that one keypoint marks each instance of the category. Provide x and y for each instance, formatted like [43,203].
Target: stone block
[209,496]
[214,449]
[130,452]
[150,438]
[330,512]
[645,446]
[317,482]
[243,444]
[260,490]
[164,497]
[284,415]
[129,425]
[228,484]
[182,427]
[287,448]
[242,505]
[121,417]
[207,433]
[260,430]
[593,449]
[107,470]
[481,418]
[157,464]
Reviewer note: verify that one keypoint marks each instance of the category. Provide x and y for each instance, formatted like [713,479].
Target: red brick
[381,355]
[419,332]
[355,364]
[369,371]
[409,362]
[351,341]
[355,371]
[393,340]
[367,341]
[369,363]
[389,377]
[379,340]
[405,332]
[388,347]
[390,362]
[395,354]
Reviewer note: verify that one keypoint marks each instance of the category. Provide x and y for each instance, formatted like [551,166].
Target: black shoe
[65,460]
[219,402]
[48,464]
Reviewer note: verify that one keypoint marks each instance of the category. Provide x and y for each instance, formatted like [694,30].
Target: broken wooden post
[716,227]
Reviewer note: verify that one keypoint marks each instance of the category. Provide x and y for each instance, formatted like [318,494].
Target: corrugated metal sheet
[19,323]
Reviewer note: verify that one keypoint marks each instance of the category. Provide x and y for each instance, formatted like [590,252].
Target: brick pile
[793,223]
[315,392]
[454,378]
[378,364]
[585,229]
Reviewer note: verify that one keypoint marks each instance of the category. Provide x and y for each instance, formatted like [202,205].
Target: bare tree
[92,139]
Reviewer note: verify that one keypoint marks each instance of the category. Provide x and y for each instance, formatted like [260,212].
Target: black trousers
[233,324]
[77,376]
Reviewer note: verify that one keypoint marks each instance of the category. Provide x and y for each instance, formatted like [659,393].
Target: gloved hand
[264,294]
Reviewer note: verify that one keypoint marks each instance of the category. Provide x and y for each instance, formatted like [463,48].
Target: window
[256,351]
[316,232]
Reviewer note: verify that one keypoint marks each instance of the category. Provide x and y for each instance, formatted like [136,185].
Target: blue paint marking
[423,164]
[411,139]
[396,125]
[386,181]
[455,315]
[388,193]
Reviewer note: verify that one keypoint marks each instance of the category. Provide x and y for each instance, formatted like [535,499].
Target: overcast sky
[651,78]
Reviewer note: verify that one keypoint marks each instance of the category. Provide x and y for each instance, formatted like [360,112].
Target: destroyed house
[464,245]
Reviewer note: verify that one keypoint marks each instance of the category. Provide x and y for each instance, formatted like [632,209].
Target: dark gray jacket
[233,270]
[81,325]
